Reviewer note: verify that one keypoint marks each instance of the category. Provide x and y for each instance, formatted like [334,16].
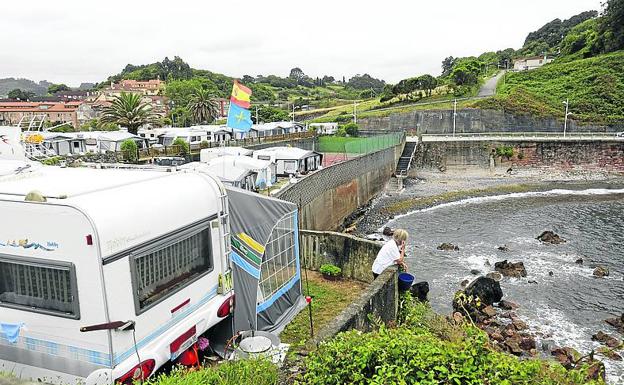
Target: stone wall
[378,302]
[566,155]
[472,120]
[326,197]
[355,256]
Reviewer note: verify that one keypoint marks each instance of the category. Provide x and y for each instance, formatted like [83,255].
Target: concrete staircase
[405,161]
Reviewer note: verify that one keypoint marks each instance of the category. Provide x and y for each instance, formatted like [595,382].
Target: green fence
[358,146]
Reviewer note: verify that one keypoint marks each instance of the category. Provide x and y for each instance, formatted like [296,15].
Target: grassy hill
[594,87]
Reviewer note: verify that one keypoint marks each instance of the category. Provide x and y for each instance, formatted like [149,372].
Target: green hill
[594,87]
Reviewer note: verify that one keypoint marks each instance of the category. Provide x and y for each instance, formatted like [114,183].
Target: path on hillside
[489,88]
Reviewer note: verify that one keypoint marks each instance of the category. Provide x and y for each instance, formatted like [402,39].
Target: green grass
[361,145]
[329,298]
[594,87]
[256,372]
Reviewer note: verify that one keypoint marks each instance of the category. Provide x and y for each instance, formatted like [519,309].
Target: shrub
[129,150]
[331,270]
[351,129]
[257,372]
[427,349]
[506,151]
[204,144]
[184,147]
[53,161]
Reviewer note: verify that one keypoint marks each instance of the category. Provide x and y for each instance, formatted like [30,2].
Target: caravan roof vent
[35,196]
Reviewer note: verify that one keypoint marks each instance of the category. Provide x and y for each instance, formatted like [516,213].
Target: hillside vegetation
[594,87]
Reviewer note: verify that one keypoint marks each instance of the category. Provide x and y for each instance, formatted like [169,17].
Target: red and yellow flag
[241,95]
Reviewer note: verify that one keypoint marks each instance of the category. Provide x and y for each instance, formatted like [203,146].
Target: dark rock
[448,247]
[475,272]
[511,269]
[617,322]
[519,325]
[503,248]
[495,275]
[387,231]
[508,305]
[489,311]
[548,345]
[420,290]
[513,346]
[487,289]
[550,237]
[565,356]
[550,273]
[606,339]
[532,281]
[527,343]
[496,336]
[596,371]
[487,262]
[464,283]
[610,354]
[601,272]
[579,261]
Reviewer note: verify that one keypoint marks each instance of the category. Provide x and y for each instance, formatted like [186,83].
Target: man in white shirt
[392,253]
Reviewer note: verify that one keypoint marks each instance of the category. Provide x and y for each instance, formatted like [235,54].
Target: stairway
[405,161]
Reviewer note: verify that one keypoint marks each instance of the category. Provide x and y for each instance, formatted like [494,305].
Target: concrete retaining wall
[355,256]
[568,155]
[326,197]
[472,120]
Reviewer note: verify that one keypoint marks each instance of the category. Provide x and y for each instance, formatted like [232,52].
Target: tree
[612,26]
[362,82]
[184,146]
[203,106]
[54,88]
[129,150]
[296,74]
[248,79]
[128,110]
[20,95]
[447,65]
[328,79]
[427,83]
[269,114]
[351,129]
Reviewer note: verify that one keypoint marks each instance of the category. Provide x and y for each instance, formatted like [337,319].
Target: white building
[530,62]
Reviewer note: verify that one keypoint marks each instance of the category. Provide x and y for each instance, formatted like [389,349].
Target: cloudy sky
[73,41]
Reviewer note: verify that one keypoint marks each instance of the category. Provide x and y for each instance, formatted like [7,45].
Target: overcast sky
[74,41]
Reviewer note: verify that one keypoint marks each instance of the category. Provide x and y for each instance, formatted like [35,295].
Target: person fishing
[392,253]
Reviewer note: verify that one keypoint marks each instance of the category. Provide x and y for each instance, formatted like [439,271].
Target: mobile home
[290,160]
[207,154]
[231,175]
[265,170]
[96,284]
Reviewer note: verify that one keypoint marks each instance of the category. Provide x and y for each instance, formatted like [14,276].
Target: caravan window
[290,165]
[279,265]
[164,271]
[40,286]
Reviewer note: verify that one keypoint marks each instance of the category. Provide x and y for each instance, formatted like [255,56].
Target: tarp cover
[253,217]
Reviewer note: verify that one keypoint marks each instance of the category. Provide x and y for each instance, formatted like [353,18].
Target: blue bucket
[405,281]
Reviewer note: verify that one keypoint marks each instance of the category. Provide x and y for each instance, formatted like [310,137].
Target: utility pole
[454,115]
[565,119]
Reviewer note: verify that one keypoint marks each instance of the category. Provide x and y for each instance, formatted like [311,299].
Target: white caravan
[101,279]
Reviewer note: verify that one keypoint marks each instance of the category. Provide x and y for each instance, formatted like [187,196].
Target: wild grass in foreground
[253,372]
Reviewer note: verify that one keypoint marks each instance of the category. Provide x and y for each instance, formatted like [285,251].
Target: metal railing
[520,136]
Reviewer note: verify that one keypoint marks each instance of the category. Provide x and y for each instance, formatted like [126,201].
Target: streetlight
[565,119]
[454,115]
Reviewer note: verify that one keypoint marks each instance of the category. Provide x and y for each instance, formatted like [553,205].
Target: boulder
[495,275]
[606,339]
[617,322]
[511,269]
[550,237]
[610,354]
[579,261]
[601,272]
[420,290]
[464,283]
[496,336]
[519,325]
[387,231]
[487,289]
[489,311]
[508,305]
[503,248]
[596,371]
[475,272]
[448,247]
[527,343]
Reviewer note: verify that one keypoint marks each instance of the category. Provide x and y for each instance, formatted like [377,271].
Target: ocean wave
[495,198]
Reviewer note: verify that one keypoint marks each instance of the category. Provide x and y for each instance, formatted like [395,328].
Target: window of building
[76,144]
[290,165]
[279,265]
[40,286]
[264,157]
[160,273]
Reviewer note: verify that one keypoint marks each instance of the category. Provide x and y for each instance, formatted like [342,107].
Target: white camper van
[101,279]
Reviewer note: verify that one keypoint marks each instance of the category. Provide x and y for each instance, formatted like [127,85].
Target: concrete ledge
[379,301]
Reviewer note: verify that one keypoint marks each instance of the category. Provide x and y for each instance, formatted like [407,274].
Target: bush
[506,151]
[184,147]
[204,144]
[129,150]
[427,349]
[351,129]
[330,270]
[257,372]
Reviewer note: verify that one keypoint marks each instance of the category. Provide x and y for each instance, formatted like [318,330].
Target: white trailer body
[108,246]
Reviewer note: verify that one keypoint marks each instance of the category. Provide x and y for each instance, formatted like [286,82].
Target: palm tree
[128,110]
[203,106]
